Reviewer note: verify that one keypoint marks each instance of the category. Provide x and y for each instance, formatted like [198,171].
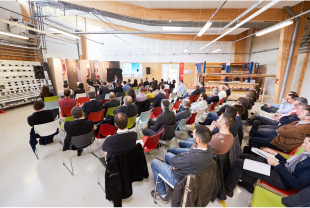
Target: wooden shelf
[236,75]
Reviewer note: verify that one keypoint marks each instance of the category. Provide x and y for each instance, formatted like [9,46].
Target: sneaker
[158,197]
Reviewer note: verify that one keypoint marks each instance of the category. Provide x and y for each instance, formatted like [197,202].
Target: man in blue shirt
[126,86]
[271,108]
[181,87]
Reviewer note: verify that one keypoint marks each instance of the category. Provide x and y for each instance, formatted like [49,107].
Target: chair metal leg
[62,135]
[156,190]
[36,154]
[90,151]
[63,162]
[99,177]
[154,157]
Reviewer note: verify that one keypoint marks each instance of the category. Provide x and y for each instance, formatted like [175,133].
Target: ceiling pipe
[290,56]
[138,32]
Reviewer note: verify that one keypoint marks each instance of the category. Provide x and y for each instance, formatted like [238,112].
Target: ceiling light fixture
[275,27]
[243,22]
[13,35]
[217,50]
[205,28]
[172,28]
[63,32]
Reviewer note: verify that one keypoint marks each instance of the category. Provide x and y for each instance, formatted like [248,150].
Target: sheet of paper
[257,167]
[140,141]
[266,116]
[262,153]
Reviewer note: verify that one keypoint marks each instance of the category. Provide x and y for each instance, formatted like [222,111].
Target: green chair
[299,150]
[263,198]
[110,111]
[131,122]
[50,99]
[135,88]
[126,93]
[69,118]
[62,128]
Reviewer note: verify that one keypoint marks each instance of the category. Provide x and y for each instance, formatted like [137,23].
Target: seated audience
[104,90]
[118,88]
[46,92]
[131,92]
[162,89]
[185,113]
[152,81]
[181,87]
[79,90]
[141,96]
[161,83]
[116,80]
[214,98]
[77,127]
[166,118]
[241,101]
[202,87]
[150,93]
[273,108]
[195,92]
[222,93]
[110,86]
[158,97]
[66,87]
[284,174]
[227,89]
[66,102]
[146,82]
[135,83]
[99,81]
[111,103]
[93,105]
[141,84]
[120,142]
[155,85]
[201,103]
[126,86]
[129,82]
[171,86]
[196,161]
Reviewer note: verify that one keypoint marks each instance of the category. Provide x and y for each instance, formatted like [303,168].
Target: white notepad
[257,167]
[140,141]
[262,153]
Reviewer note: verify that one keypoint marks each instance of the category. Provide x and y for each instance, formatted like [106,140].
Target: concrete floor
[26,181]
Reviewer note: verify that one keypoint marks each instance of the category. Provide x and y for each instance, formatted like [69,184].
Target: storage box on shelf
[17,83]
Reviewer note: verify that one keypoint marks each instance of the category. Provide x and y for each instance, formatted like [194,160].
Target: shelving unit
[17,83]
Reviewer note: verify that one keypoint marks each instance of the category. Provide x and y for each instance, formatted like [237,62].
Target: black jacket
[213,99]
[130,110]
[90,82]
[91,106]
[103,91]
[183,114]
[78,91]
[288,119]
[228,92]
[146,83]
[167,118]
[301,199]
[40,117]
[122,170]
[110,104]
[202,89]
[76,128]
[118,89]
[158,98]
[195,92]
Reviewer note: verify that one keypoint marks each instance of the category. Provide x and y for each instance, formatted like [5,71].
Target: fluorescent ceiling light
[63,32]
[243,22]
[275,27]
[217,50]
[172,28]
[204,29]
[13,35]
[185,50]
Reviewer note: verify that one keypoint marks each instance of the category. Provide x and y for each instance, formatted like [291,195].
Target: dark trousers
[269,110]
[248,177]
[266,131]
[149,132]
[258,142]
[240,134]
[258,121]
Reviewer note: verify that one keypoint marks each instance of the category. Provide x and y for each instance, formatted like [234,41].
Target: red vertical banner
[181,72]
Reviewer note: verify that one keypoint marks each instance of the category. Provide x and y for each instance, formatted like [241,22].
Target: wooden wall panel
[102,70]
[189,79]
[72,73]
[84,74]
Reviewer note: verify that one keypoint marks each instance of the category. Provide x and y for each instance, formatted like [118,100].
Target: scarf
[291,163]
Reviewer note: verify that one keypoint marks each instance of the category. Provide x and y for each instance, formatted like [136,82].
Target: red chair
[144,89]
[191,119]
[104,101]
[176,105]
[167,95]
[212,106]
[156,112]
[96,116]
[191,98]
[151,143]
[286,153]
[66,112]
[196,98]
[166,90]
[106,130]
[82,100]
[275,190]
[222,101]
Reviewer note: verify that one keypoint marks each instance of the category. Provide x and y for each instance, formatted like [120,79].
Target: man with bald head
[111,103]
[185,113]
[195,92]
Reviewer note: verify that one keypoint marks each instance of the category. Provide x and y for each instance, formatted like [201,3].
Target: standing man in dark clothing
[227,90]
[116,80]
[104,90]
[151,83]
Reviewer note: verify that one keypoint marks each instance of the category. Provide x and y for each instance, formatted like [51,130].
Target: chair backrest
[192,118]
[51,105]
[135,88]
[176,105]
[96,116]
[191,99]
[83,140]
[264,198]
[106,130]
[212,106]
[131,122]
[106,96]
[156,112]
[91,88]
[78,83]
[184,91]
[69,118]
[110,111]
[67,111]
[98,97]
[82,100]
[50,99]
[120,94]
[119,98]
[46,129]
[200,113]
[181,124]
[104,101]
[172,95]
[299,150]
[170,106]
[136,91]
[169,133]
[147,87]
[179,94]
[196,98]
[145,116]
[78,95]
[222,100]
[142,106]
[55,112]
[152,142]
[166,90]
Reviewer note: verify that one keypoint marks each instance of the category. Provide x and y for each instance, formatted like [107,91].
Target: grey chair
[99,97]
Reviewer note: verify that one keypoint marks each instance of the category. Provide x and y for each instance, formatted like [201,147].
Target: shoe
[248,187]
[79,152]
[42,141]
[158,197]
[229,193]
[50,140]
[247,123]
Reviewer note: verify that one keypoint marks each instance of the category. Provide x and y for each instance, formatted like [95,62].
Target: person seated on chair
[146,82]
[196,161]
[66,102]
[150,93]
[40,116]
[135,83]
[66,87]
[227,89]
[79,90]
[195,92]
[77,127]
[185,113]
[172,86]
[284,174]
[141,84]
[222,93]
[104,90]
[202,87]
[99,81]
[118,88]
[220,143]
[93,105]
[181,87]
[91,83]
[151,83]
[166,118]
[158,98]
[46,92]
[111,103]
[162,89]
[129,82]
[126,86]
[289,136]
[214,98]
[141,96]
[241,101]
[201,103]
[120,142]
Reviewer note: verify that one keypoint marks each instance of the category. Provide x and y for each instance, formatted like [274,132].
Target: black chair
[142,106]
[80,142]
[99,97]
[55,112]
[169,133]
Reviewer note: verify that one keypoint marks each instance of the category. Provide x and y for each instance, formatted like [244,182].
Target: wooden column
[302,74]
[286,35]
[84,43]
[239,47]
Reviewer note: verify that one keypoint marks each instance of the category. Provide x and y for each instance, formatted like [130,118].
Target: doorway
[171,71]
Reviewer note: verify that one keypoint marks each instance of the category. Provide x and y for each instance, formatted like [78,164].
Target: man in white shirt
[200,104]
[222,93]
[66,87]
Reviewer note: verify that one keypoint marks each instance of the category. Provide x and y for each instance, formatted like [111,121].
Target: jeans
[269,110]
[184,147]
[166,171]
[266,131]
[185,95]
[181,107]
[210,118]
[260,120]
[258,142]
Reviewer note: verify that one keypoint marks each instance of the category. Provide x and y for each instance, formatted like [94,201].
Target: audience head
[215,91]
[67,93]
[124,82]
[226,120]
[150,90]
[302,101]
[226,86]
[162,80]
[104,84]
[77,112]
[81,86]
[181,81]
[173,81]
[257,89]
[304,114]
[165,104]
[187,103]
[128,81]
[231,110]
[222,88]
[141,80]
[131,92]
[306,143]
[145,78]
[128,100]
[203,96]
[45,91]
[291,98]
[243,101]
[119,84]
[121,121]
[240,109]
[91,95]
[152,79]
[135,82]
[162,87]
[88,77]
[112,95]
[38,105]
[115,77]
[66,85]
[196,86]
[202,135]
[141,89]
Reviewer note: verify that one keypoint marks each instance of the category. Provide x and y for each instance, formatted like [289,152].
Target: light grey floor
[26,181]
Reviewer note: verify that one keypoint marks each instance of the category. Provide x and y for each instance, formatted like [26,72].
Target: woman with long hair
[135,83]
[131,92]
[80,89]
[46,92]
[154,85]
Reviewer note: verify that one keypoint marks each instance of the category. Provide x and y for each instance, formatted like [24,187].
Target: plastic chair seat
[196,98]
[50,99]
[191,99]
[104,101]
[51,105]
[191,119]
[212,106]
[176,105]
[278,191]
[110,111]
[156,112]
[106,130]
[151,142]
[82,100]
[264,198]
[67,111]
[131,122]
[96,116]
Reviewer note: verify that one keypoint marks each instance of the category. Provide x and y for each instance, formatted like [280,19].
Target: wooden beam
[84,43]
[239,47]
[302,74]
[178,14]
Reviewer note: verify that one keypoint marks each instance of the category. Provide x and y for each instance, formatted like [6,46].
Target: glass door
[171,71]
